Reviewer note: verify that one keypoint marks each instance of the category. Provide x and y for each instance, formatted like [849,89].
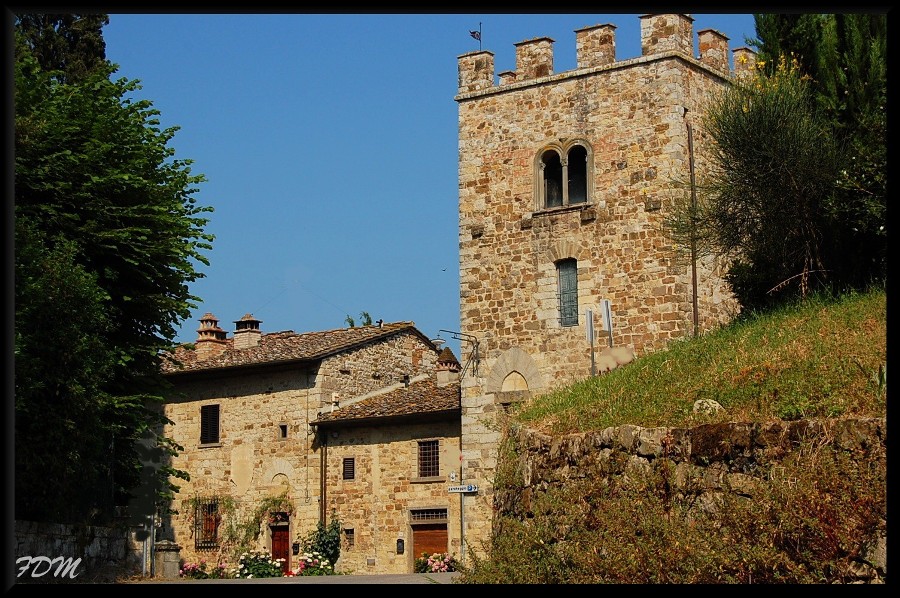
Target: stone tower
[565,180]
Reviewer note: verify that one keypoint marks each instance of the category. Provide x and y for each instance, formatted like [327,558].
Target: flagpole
[477,35]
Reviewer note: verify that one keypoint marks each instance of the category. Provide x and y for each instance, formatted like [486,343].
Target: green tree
[108,237]
[71,45]
[845,55]
[764,201]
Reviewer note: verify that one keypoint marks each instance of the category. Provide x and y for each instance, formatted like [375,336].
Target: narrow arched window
[567,273]
[553,178]
[576,171]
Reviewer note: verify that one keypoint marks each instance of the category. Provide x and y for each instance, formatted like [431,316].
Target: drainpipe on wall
[462,525]
[690,140]
[322,477]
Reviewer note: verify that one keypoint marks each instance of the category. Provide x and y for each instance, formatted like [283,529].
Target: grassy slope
[822,358]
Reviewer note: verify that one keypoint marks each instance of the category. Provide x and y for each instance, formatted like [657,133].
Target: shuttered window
[209,424]
[349,468]
[568,292]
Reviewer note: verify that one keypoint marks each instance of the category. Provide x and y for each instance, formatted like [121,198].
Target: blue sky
[329,144]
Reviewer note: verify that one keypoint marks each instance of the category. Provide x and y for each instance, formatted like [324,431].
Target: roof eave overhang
[407,418]
[242,368]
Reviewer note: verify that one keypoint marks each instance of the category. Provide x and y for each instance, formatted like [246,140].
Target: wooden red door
[429,539]
[281,546]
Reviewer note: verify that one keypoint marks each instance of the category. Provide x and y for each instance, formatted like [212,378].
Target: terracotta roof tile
[418,398]
[283,346]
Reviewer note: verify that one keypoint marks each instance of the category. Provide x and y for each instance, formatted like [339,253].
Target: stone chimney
[534,58]
[595,46]
[246,332]
[210,338]
[713,49]
[447,368]
[666,33]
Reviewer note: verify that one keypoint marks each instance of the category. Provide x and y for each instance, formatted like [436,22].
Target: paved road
[389,579]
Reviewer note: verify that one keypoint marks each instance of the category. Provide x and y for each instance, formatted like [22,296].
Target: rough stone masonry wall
[376,503]
[87,553]
[724,456]
[251,460]
[634,120]
[376,366]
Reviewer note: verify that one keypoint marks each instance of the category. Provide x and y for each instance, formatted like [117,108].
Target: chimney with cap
[246,332]
[447,368]
[210,338]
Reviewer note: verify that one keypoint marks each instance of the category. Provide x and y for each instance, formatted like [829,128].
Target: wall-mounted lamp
[473,354]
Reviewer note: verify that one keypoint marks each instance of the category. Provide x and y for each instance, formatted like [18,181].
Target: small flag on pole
[476,35]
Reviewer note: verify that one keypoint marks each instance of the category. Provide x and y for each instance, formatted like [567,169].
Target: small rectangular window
[206,523]
[429,458]
[282,431]
[568,292]
[427,515]
[209,424]
[350,536]
[349,468]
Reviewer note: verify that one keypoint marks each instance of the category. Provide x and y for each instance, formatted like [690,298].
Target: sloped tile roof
[286,346]
[419,398]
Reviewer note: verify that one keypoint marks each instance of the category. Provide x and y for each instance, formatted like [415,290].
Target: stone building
[565,181]
[361,424]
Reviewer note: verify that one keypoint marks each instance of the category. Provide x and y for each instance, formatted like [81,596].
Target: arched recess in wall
[279,473]
[563,174]
[514,377]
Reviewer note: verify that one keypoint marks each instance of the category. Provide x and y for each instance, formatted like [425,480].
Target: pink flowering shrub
[202,571]
[312,563]
[435,563]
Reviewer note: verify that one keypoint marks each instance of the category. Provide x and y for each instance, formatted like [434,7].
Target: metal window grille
[349,468]
[209,424]
[568,292]
[350,535]
[423,515]
[429,459]
[206,523]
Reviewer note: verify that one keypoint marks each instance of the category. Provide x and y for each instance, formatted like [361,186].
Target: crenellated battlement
[595,46]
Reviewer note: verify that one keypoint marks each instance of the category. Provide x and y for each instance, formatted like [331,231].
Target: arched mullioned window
[562,174]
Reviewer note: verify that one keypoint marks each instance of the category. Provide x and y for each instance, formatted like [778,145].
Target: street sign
[466,488]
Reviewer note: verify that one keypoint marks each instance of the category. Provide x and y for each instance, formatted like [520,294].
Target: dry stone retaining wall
[727,457]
